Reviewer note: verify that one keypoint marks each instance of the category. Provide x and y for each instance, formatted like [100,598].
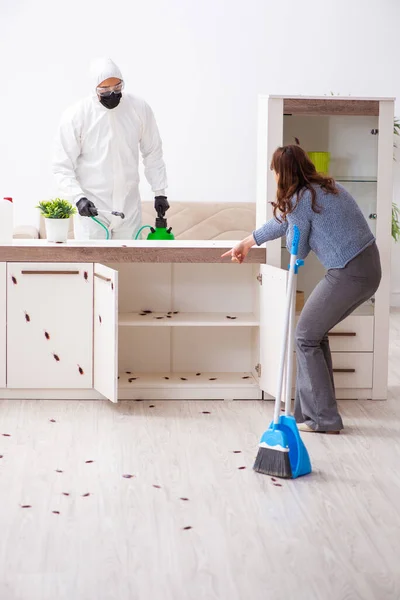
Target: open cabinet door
[272,318]
[106,332]
[3,324]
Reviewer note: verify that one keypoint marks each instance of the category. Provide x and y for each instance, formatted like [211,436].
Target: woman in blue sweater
[334,228]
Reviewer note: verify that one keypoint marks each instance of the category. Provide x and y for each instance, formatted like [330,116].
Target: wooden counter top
[188,251]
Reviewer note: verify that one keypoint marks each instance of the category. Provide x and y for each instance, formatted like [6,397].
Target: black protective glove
[161,205]
[86,208]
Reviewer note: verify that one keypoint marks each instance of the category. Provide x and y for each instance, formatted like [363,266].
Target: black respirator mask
[112,100]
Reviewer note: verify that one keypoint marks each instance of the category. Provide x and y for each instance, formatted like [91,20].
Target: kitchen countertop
[178,251]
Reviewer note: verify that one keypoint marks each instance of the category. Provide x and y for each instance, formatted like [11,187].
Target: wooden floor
[193,521]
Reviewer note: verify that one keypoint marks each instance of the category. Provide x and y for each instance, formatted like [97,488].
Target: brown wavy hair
[296,174]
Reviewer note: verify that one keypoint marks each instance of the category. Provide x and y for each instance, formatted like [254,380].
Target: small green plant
[395,222]
[56,209]
[396,126]
[395,208]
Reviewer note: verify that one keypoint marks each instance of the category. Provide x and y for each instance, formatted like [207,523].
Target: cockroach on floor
[56,357]
[27,317]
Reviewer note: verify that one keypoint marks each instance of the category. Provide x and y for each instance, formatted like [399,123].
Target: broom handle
[288,303]
[290,350]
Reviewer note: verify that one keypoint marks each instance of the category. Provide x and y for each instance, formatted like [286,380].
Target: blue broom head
[273,454]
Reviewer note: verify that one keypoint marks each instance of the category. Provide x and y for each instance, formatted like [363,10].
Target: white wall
[200,64]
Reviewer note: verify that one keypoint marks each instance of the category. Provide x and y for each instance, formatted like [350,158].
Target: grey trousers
[333,299]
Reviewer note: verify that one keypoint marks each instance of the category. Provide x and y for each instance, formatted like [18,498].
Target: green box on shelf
[321,161]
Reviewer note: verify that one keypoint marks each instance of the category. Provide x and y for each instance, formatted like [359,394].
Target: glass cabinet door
[364,191]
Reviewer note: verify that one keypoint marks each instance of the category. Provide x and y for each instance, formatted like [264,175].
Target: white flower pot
[57,230]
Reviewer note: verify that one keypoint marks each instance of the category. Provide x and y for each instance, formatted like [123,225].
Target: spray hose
[140,231]
[103,226]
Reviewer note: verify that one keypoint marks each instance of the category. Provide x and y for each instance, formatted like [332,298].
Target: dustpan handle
[290,345]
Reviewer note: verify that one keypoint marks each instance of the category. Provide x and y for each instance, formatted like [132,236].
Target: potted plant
[57,214]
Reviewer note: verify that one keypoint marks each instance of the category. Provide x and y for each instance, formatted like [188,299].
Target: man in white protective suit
[96,159]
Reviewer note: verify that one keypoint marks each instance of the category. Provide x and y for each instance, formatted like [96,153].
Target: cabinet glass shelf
[351,179]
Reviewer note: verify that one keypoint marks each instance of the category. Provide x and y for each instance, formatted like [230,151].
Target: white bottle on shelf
[6,220]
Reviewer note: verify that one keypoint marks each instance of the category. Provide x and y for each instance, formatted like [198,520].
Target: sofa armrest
[25,232]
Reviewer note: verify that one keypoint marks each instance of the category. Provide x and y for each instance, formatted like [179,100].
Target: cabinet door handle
[342,334]
[50,272]
[102,277]
[344,370]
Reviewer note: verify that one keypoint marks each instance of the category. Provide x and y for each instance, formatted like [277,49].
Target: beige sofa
[189,221]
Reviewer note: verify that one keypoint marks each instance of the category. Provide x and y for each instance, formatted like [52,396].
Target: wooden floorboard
[330,536]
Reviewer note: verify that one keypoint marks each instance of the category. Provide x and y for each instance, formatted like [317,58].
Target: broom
[273,452]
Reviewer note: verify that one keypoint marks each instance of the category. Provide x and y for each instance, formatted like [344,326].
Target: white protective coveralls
[97,157]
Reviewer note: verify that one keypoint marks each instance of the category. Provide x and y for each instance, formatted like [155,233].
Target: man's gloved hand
[86,208]
[161,205]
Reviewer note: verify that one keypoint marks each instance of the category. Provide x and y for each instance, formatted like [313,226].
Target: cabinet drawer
[354,334]
[351,369]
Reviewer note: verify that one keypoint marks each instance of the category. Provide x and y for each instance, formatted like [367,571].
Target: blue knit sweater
[337,234]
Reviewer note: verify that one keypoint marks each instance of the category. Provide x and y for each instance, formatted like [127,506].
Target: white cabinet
[49,325]
[358,135]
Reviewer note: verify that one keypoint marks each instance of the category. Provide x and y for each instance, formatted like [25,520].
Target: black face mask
[111,101]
